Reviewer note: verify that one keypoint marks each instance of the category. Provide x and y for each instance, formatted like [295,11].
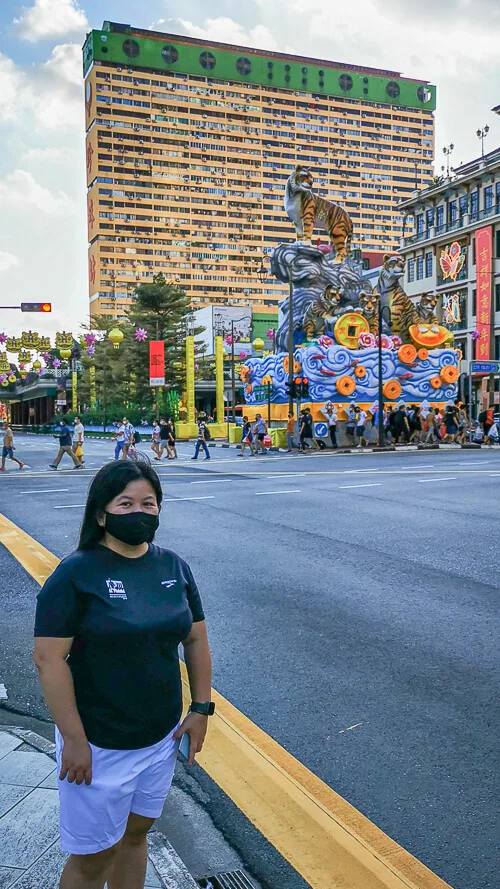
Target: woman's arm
[59,693]
[199,667]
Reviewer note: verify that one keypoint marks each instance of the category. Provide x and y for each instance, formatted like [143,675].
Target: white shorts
[94,817]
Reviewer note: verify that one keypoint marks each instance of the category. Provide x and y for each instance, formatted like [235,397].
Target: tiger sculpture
[368,306]
[306,209]
[426,308]
[391,294]
[324,306]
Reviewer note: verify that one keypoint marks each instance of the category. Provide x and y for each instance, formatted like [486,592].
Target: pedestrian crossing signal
[36,307]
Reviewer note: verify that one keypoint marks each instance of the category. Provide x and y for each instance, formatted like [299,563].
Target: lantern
[65,354]
[37,366]
[258,344]
[11,378]
[22,374]
[115,336]
[5,383]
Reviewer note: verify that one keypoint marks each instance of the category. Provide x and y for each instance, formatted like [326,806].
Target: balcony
[467,221]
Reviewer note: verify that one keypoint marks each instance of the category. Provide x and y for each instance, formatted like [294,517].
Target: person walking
[202,441]
[432,428]
[8,447]
[360,428]
[246,438]
[450,421]
[172,446]
[261,432]
[108,624]
[155,439]
[119,438]
[306,431]
[463,423]
[129,441]
[164,443]
[65,446]
[400,425]
[351,422]
[415,423]
[290,431]
[486,420]
[329,411]
[78,437]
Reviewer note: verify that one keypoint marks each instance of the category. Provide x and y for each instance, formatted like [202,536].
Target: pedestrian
[246,438]
[290,432]
[415,423]
[129,441]
[172,446]
[351,422]
[478,433]
[306,431]
[399,423]
[486,420]
[463,423]
[388,424]
[78,436]
[118,438]
[164,444]
[155,439]
[260,429]
[65,446]
[431,426]
[360,428]
[450,423]
[329,411]
[108,624]
[202,439]
[8,447]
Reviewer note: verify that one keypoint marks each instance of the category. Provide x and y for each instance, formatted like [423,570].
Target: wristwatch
[207,709]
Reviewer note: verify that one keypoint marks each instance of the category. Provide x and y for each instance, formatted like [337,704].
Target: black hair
[110,481]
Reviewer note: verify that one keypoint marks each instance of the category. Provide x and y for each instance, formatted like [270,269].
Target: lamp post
[233,377]
[381,432]
[481,134]
[290,341]
[447,151]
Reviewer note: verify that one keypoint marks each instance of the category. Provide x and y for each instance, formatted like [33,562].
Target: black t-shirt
[164,432]
[306,430]
[127,617]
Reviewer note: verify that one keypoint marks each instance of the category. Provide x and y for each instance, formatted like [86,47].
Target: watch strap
[207,709]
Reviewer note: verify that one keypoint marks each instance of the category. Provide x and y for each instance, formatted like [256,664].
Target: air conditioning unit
[119,69]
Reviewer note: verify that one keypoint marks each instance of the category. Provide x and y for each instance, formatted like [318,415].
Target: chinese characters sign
[156,363]
[483,290]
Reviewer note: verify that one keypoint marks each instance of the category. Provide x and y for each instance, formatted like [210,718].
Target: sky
[43,249]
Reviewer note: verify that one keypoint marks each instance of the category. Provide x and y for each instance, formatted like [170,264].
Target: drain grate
[235,879]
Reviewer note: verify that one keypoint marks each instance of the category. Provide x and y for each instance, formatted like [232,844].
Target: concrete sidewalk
[30,857]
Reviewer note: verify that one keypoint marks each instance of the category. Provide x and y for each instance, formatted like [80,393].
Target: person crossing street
[78,436]
[8,447]
[65,446]
[202,439]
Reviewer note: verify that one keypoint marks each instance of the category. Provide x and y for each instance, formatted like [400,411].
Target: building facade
[189,146]
[462,210]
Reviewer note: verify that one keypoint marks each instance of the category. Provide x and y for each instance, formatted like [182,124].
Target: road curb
[169,866]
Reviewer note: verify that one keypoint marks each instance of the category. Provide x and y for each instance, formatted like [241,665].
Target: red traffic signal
[36,307]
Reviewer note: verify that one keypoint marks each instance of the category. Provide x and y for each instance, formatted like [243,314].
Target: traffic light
[36,307]
[291,389]
[305,389]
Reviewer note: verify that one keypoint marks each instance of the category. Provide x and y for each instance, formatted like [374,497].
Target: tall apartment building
[189,146]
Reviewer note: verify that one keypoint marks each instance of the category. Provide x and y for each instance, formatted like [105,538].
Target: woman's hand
[76,762]
[195,724]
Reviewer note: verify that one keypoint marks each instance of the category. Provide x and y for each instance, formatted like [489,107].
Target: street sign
[485,367]
[260,393]
[320,430]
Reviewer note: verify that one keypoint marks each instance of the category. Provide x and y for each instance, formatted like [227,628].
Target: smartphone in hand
[184,747]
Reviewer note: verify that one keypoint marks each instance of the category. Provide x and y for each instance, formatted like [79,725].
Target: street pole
[290,341]
[269,404]
[381,435]
[104,396]
[233,380]
[156,387]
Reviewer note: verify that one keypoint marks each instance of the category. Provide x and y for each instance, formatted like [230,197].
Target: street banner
[74,390]
[484,243]
[156,363]
[93,390]
[219,378]
[190,378]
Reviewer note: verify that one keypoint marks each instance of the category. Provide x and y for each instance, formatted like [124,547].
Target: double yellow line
[328,842]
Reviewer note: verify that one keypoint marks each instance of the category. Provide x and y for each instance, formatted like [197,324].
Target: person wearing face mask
[108,624]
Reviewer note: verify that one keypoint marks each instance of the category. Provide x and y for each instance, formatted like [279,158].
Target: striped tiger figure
[391,293]
[306,209]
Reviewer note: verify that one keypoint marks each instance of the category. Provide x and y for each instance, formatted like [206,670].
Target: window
[463,205]
[474,204]
[452,212]
[170,54]
[429,220]
[420,268]
[428,265]
[474,303]
[420,224]
[497,240]
[411,270]
[497,193]
[440,218]
[488,197]
[497,297]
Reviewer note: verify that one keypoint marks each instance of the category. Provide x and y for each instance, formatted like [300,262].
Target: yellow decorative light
[37,365]
[11,378]
[258,344]
[22,374]
[65,354]
[115,336]
[5,383]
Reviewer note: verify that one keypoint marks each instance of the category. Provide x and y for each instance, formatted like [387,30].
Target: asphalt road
[353,608]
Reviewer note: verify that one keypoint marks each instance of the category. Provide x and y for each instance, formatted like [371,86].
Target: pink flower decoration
[229,340]
[243,355]
[475,335]
[89,339]
[197,367]
[367,340]
[325,341]
[141,335]
[325,248]
[3,338]
[271,333]
[47,356]
[57,362]
[3,377]
[90,350]
[397,342]
[386,342]
[21,367]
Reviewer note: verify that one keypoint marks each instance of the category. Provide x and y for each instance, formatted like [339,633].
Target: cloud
[20,192]
[49,19]
[7,260]
[222,30]
[50,94]
[11,83]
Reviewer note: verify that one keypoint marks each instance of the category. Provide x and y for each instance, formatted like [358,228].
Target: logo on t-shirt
[168,583]
[116,589]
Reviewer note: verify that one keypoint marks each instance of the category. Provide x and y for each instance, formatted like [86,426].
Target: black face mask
[132,528]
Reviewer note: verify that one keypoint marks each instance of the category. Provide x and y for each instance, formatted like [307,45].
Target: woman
[352,422]
[119,606]
[450,423]
[171,445]
[415,421]
[155,440]
[246,438]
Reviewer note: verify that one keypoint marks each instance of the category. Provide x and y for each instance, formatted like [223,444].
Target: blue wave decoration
[323,365]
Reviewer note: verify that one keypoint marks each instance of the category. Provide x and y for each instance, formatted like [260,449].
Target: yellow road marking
[328,842]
